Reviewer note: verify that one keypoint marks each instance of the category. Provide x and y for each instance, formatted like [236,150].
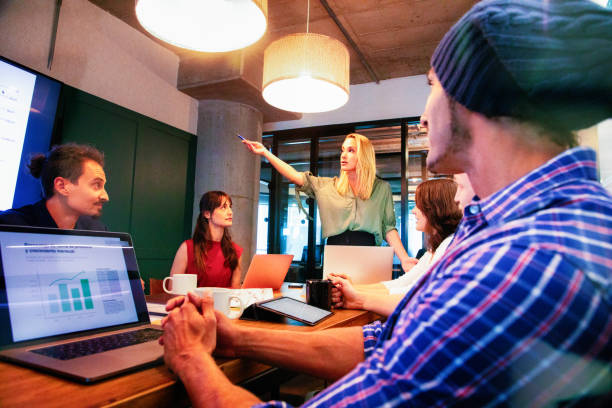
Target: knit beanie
[548,61]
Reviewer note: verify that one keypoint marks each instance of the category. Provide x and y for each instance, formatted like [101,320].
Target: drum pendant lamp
[306,72]
[205,25]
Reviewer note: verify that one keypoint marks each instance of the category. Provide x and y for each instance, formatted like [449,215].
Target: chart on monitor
[65,286]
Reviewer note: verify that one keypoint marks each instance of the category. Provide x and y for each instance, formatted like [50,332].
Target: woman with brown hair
[211,253]
[437,215]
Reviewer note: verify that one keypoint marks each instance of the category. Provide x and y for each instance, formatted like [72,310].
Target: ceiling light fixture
[205,25]
[306,72]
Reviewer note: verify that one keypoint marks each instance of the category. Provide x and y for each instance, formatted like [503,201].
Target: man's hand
[174,303]
[228,335]
[189,329]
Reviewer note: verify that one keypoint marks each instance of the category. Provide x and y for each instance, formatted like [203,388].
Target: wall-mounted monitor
[28,104]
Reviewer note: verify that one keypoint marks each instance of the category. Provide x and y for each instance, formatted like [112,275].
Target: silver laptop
[364,264]
[71,303]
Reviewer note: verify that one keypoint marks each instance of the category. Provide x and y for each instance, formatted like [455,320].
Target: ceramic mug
[181,283]
[318,293]
[223,299]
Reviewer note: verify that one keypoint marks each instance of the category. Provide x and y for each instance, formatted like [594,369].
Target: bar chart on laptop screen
[81,293]
[66,285]
[65,295]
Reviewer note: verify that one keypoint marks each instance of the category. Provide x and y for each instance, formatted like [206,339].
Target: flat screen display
[28,105]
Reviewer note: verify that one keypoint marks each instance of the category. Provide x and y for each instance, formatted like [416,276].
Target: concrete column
[224,163]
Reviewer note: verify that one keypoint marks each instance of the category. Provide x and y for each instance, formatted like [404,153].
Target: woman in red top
[211,253]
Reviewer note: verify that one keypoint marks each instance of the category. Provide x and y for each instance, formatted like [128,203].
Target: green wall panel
[156,268]
[159,192]
[91,121]
[150,169]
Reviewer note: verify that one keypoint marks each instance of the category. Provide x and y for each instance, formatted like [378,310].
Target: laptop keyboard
[82,348]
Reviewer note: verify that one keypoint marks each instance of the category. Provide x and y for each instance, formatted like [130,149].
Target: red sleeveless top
[215,273]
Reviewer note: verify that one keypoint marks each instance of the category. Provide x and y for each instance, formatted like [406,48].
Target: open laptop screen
[58,283]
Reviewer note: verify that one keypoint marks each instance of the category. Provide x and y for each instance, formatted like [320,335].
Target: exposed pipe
[350,41]
[58,6]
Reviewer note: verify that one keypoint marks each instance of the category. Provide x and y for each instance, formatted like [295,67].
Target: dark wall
[150,169]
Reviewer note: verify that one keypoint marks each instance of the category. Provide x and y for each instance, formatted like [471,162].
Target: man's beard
[99,214]
[460,141]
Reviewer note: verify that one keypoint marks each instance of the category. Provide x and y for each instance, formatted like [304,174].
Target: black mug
[318,293]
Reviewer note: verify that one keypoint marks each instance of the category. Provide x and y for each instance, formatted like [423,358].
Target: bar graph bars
[53,304]
[87,294]
[63,292]
[75,298]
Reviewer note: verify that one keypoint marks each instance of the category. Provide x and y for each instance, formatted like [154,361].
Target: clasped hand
[192,327]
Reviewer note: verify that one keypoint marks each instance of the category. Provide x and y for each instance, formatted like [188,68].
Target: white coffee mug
[223,298]
[181,283]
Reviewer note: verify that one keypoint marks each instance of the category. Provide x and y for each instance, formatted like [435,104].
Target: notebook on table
[71,303]
[363,264]
[267,271]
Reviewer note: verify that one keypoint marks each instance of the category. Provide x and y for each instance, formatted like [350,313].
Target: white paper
[157,308]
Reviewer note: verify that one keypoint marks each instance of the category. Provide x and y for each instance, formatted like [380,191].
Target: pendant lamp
[306,72]
[204,25]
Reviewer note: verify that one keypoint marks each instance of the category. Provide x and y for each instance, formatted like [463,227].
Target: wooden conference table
[151,387]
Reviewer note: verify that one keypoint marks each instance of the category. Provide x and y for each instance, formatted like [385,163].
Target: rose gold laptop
[267,271]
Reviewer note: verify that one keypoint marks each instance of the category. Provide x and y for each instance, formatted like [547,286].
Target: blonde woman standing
[356,208]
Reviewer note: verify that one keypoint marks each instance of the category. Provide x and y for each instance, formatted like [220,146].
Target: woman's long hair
[366,168]
[201,233]
[436,200]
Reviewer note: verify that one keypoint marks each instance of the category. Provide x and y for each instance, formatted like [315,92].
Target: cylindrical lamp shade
[205,25]
[306,73]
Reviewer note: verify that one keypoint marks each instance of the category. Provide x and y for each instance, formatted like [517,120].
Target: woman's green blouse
[339,213]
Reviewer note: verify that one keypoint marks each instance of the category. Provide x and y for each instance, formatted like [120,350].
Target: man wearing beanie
[519,310]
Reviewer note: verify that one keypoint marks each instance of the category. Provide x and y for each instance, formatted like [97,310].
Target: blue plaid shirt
[518,312]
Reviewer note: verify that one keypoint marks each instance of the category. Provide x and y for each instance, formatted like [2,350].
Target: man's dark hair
[62,161]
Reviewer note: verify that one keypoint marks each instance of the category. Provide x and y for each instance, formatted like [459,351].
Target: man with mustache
[518,312]
[72,180]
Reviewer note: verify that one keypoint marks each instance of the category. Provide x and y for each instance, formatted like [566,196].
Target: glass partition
[401,151]
[328,165]
[293,223]
[387,142]
[263,210]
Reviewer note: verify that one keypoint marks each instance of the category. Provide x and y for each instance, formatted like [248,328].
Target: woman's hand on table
[408,263]
[341,276]
[344,293]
